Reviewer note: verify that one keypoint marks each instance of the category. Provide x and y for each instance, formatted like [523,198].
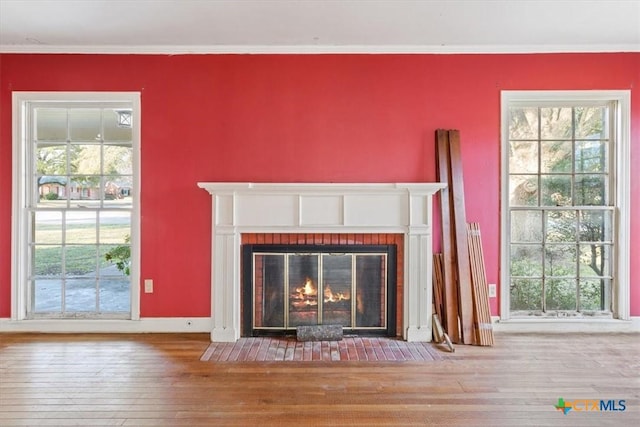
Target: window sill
[566,325]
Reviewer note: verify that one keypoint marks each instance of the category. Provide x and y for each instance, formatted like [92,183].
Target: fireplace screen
[348,285]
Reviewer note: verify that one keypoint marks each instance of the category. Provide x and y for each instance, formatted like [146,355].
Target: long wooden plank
[450,317]
[461,248]
[477,309]
[438,285]
[482,311]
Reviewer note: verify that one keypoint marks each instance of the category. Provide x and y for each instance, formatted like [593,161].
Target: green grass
[82,234]
[80,252]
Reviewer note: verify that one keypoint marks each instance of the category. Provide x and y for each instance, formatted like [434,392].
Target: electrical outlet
[492,290]
[148,286]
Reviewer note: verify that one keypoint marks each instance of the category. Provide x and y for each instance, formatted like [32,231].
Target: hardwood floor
[159,380]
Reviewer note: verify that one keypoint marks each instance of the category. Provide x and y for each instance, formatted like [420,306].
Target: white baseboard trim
[205,325]
[144,325]
[561,326]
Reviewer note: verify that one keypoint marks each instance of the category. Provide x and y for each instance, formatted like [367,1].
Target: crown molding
[316,49]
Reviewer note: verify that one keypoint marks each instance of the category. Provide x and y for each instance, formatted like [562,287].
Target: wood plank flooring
[159,380]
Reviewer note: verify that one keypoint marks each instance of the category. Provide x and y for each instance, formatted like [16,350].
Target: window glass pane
[556,190]
[48,227]
[523,157]
[47,260]
[561,226]
[589,190]
[51,124]
[47,295]
[526,226]
[556,156]
[52,190]
[596,226]
[118,160]
[118,167]
[81,227]
[594,294]
[115,296]
[595,260]
[560,294]
[117,128]
[526,294]
[591,156]
[526,260]
[81,260]
[115,260]
[118,193]
[592,122]
[85,124]
[523,190]
[80,295]
[53,195]
[115,227]
[51,159]
[560,260]
[556,123]
[523,123]
[87,160]
[84,191]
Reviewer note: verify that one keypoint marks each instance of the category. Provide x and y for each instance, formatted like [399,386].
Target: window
[75,205]
[565,204]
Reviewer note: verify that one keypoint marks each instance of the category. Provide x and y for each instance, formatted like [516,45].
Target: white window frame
[622,182]
[19,222]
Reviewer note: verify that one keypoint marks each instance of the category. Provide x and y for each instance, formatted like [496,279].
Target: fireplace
[322,209]
[286,286]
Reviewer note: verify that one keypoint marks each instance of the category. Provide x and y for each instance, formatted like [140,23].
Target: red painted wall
[350,118]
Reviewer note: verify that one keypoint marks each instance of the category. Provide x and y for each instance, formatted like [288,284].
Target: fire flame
[308,288]
[307,295]
[329,296]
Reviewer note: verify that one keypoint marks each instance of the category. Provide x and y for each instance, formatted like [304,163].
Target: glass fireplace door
[337,285]
[303,278]
[289,289]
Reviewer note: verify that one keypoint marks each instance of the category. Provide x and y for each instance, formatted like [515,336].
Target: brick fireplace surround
[323,213]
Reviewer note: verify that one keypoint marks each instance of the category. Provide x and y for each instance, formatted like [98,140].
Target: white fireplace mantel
[242,207]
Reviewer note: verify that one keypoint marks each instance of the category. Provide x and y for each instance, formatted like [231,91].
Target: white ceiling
[318,26]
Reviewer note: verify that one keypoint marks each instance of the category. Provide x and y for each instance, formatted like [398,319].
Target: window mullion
[577,212]
[63,271]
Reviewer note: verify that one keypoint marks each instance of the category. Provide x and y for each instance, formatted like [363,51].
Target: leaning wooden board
[461,245]
[450,294]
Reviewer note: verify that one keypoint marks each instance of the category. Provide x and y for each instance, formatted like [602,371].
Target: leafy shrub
[121,256]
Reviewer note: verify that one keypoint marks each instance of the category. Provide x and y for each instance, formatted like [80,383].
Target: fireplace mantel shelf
[244,207]
[320,187]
